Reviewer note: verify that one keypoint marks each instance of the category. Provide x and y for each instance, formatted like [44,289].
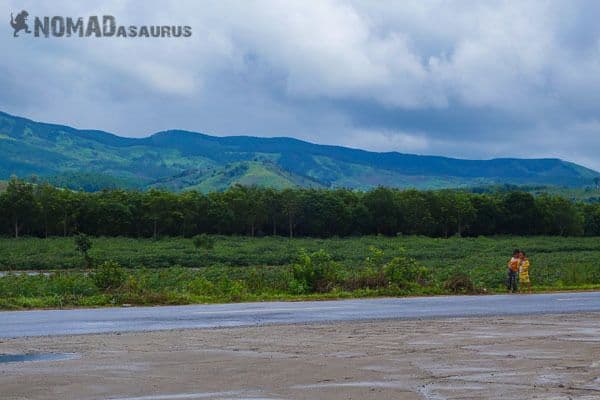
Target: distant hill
[178,160]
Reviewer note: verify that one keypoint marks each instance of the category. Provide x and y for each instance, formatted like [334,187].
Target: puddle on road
[228,395]
[359,384]
[344,354]
[12,358]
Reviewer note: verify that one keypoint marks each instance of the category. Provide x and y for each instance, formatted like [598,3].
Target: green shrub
[204,241]
[316,272]
[132,285]
[257,280]
[404,271]
[109,276]
[66,284]
[200,286]
[231,290]
[374,260]
[83,244]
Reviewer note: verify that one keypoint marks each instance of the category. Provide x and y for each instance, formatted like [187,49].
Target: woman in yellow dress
[524,273]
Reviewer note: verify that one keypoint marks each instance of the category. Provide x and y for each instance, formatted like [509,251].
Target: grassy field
[173,271]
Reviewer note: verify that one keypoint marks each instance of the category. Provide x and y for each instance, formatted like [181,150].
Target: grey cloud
[465,78]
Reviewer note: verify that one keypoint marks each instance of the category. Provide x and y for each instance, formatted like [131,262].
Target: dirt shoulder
[549,357]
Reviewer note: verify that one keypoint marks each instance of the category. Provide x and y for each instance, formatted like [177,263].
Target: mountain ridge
[180,159]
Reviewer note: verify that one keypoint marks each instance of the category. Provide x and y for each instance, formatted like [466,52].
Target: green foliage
[578,275]
[231,290]
[91,181]
[200,286]
[375,259]
[83,244]
[404,272]
[246,269]
[315,272]
[179,160]
[109,276]
[204,242]
[16,204]
[44,211]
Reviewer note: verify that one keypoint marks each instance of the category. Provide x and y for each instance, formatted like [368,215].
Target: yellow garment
[524,271]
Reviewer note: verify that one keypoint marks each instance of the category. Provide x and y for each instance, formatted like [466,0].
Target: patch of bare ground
[545,357]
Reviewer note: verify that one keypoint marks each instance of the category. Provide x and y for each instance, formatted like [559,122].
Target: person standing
[513,269]
[524,273]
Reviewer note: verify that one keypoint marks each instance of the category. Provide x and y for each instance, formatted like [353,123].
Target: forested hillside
[174,160]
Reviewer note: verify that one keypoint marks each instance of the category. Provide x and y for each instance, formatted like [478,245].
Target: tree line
[43,210]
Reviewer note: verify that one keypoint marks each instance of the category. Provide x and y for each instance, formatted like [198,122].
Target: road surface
[83,321]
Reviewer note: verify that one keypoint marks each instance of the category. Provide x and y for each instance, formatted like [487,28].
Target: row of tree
[43,210]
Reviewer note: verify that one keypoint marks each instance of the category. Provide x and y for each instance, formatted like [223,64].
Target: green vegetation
[179,160]
[43,211]
[587,194]
[174,271]
[159,247]
[83,244]
[204,242]
[181,217]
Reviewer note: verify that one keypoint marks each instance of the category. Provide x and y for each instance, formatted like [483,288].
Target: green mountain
[178,160]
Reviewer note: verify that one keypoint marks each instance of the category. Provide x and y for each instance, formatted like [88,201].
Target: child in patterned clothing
[524,273]
[513,269]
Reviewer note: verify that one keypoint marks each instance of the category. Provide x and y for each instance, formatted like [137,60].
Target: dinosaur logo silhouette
[20,22]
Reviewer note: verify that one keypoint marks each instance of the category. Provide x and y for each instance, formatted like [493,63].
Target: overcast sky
[477,79]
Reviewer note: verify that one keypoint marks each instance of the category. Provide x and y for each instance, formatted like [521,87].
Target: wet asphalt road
[81,321]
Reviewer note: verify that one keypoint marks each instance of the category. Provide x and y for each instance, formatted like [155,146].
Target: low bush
[315,272]
[405,272]
[460,283]
[109,276]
